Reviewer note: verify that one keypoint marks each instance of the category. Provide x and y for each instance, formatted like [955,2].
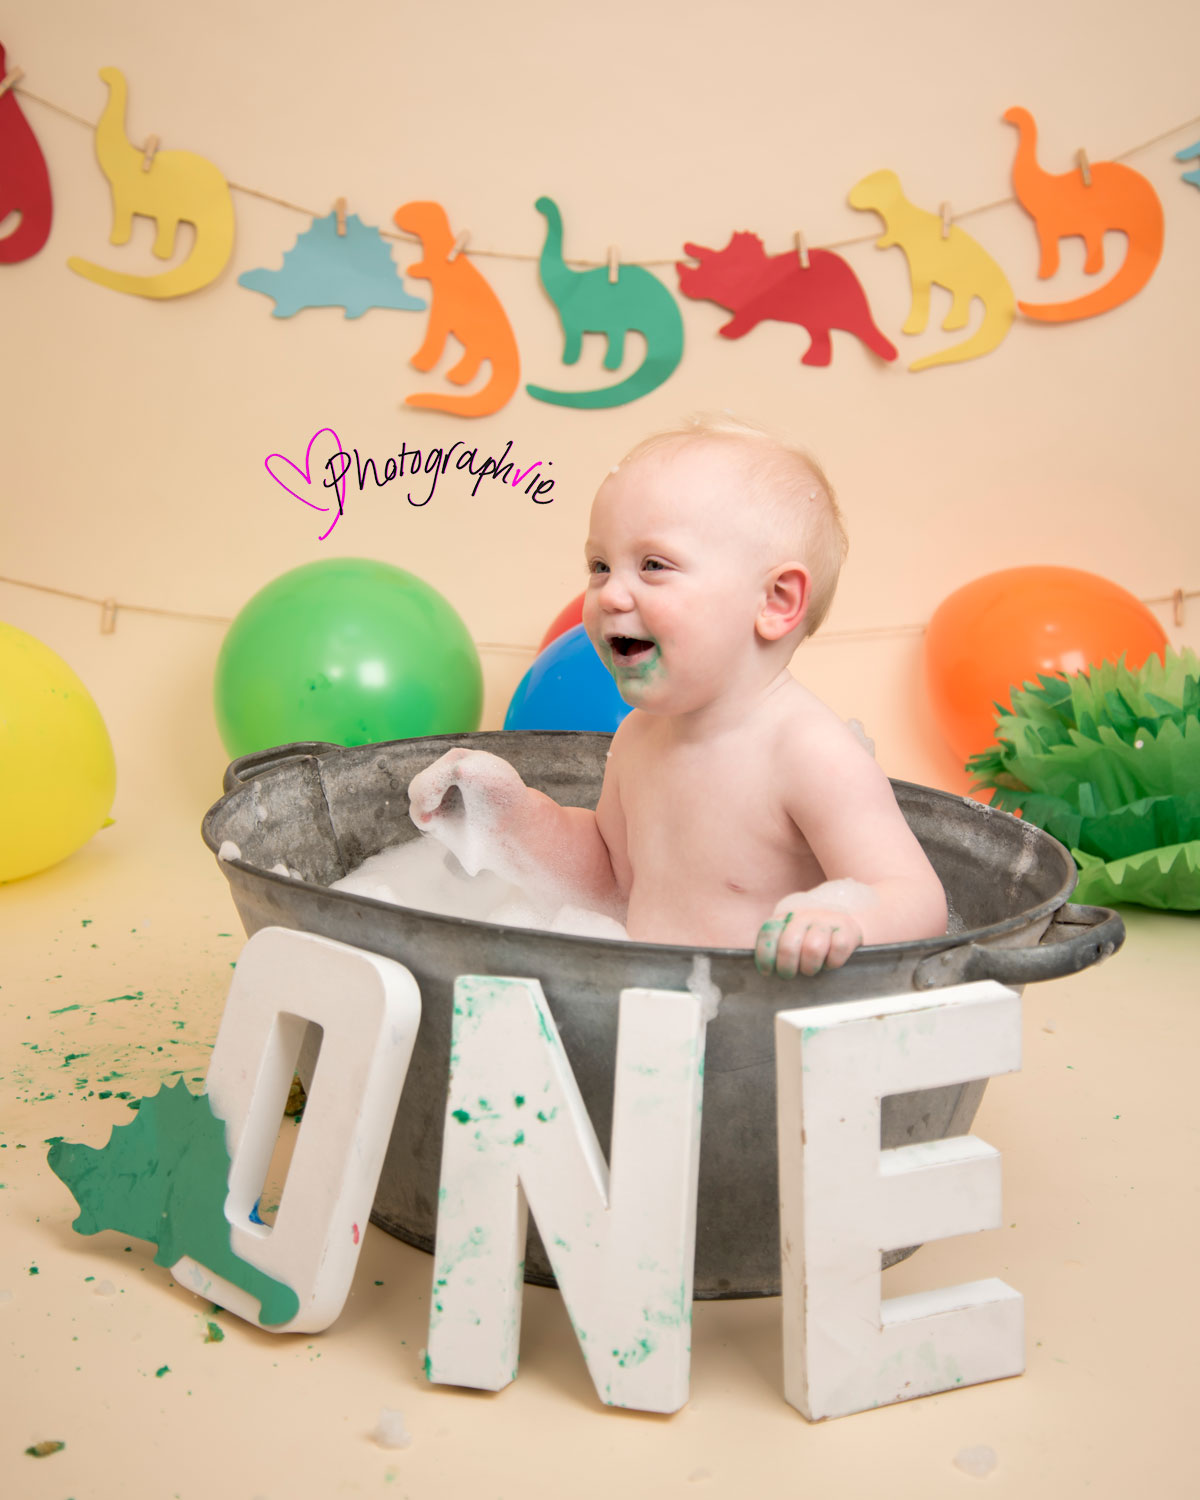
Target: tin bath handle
[247,767]
[1097,933]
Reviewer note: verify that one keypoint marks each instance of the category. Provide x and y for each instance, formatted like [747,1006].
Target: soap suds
[229,850]
[390,1431]
[836,895]
[700,983]
[424,875]
[462,865]
[856,728]
[978,1462]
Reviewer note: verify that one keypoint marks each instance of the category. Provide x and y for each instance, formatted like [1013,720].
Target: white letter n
[622,1245]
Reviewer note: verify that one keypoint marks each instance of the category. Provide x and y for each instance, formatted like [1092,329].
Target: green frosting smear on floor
[164,1178]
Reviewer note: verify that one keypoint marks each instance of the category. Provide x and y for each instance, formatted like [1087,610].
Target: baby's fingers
[790,944]
[810,942]
[804,947]
[767,946]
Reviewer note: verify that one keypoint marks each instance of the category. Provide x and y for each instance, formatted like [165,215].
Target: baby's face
[676,571]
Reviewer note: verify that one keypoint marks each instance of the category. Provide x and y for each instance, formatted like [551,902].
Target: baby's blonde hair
[796,498]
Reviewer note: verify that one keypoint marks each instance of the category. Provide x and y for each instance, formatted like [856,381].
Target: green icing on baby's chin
[628,673]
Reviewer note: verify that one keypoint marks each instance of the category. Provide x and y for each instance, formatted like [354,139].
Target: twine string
[110,608]
[860,239]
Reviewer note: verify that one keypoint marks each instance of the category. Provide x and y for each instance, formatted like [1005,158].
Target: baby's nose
[614,594]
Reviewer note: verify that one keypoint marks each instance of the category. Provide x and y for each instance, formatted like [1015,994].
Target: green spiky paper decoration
[164,1178]
[1108,761]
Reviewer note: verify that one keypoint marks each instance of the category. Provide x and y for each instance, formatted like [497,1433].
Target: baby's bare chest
[711,814]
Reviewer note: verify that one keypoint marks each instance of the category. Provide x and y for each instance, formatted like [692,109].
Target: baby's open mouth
[629,649]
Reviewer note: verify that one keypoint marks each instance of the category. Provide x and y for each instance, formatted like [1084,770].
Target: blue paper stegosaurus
[354,271]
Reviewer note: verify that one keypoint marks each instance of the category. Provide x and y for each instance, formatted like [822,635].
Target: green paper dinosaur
[588,302]
[164,1178]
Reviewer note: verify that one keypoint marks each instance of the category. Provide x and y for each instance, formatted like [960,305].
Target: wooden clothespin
[13,76]
[459,245]
[339,208]
[802,250]
[614,264]
[151,146]
[108,617]
[1084,168]
[1177,606]
[946,215]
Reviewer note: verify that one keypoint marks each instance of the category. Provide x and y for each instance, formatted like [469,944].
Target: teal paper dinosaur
[164,1178]
[1189,153]
[327,269]
[588,302]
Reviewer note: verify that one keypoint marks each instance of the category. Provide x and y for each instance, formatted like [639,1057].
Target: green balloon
[346,650]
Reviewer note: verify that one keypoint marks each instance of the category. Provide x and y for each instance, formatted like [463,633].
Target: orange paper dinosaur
[463,304]
[1063,204]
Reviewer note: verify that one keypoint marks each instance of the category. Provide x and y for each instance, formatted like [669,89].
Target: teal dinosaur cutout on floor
[164,1177]
[588,302]
[354,271]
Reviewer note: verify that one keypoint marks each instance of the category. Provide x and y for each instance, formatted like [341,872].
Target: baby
[737,809]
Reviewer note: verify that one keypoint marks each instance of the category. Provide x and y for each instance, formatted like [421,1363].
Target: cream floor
[1099,1140]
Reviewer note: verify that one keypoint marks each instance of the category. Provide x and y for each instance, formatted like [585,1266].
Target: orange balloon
[1000,631]
[571,614]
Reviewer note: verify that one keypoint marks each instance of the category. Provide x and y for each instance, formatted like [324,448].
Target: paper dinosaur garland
[954,260]
[817,290]
[464,305]
[24,181]
[164,1177]
[589,302]
[1110,196]
[755,287]
[178,185]
[354,271]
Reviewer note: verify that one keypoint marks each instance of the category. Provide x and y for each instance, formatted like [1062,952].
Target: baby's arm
[498,823]
[879,885]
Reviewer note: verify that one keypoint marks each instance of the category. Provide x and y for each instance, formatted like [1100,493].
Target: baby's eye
[654,565]
[597,565]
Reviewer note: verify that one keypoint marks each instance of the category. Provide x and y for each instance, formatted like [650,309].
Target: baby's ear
[785,601]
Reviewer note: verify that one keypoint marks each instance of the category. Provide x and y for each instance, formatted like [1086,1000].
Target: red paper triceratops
[755,286]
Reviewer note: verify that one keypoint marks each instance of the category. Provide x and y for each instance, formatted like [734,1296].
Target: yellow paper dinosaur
[178,185]
[955,261]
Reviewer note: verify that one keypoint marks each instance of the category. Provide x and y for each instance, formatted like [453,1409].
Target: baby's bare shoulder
[818,750]
[803,718]
[625,741]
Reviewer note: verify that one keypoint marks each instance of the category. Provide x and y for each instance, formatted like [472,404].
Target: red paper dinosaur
[24,181]
[755,286]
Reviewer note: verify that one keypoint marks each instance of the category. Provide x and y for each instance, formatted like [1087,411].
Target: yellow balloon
[57,773]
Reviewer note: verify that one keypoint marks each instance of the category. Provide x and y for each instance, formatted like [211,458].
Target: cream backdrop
[134,432]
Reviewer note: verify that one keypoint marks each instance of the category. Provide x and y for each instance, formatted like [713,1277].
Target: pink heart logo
[305,473]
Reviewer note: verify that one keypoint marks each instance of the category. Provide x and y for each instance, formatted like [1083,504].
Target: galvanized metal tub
[321,810]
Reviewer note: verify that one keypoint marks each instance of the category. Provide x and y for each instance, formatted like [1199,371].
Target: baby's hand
[805,939]
[474,771]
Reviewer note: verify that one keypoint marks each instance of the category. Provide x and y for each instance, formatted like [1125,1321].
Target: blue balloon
[568,687]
